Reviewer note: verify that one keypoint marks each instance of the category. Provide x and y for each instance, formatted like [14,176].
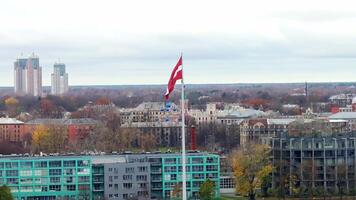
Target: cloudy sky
[138,42]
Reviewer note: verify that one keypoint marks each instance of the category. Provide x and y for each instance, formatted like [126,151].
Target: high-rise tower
[28,76]
[59,79]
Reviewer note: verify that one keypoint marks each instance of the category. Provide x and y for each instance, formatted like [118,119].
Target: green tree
[251,166]
[5,193]
[206,190]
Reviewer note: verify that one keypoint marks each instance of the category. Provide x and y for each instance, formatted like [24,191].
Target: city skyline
[226,42]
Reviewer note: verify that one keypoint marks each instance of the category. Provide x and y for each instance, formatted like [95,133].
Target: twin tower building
[28,77]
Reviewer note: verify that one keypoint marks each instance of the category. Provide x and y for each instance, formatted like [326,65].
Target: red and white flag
[177,74]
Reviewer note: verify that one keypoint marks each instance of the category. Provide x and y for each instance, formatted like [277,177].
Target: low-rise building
[341,100]
[262,129]
[130,176]
[151,112]
[77,129]
[314,163]
[11,130]
[166,134]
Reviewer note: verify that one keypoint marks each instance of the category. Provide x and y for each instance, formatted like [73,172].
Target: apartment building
[112,177]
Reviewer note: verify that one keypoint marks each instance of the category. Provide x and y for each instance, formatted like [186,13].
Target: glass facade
[108,176]
[167,174]
[47,178]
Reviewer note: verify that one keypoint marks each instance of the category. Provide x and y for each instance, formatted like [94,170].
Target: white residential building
[59,79]
[28,76]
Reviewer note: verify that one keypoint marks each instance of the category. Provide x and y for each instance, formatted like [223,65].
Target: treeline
[255,96]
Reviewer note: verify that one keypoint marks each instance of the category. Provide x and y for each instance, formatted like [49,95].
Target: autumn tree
[5,193]
[11,104]
[49,109]
[177,191]
[50,139]
[57,138]
[103,101]
[40,138]
[251,166]
[147,141]
[206,190]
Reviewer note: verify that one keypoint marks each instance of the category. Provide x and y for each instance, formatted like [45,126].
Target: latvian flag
[177,74]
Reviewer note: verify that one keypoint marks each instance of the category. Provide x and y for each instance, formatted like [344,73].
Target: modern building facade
[112,177]
[309,164]
[28,76]
[47,178]
[59,79]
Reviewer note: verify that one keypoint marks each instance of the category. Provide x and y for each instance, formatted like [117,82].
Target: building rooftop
[241,113]
[282,121]
[63,121]
[101,157]
[152,124]
[155,106]
[343,115]
[6,120]
[342,96]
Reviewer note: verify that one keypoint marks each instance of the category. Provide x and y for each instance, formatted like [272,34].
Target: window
[12,173]
[170,168]
[197,160]
[55,163]
[54,188]
[68,171]
[12,165]
[127,177]
[83,179]
[69,179]
[198,168]
[83,163]
[14,181]
[211,160]
[26,164]
[69,163]
[70,187]
[129,170]
[170,161]
[141,178]
[83,187]
[142,169]
[142,185]
[55,180]
[25,172]
[127,185]
[40,164]
[211,168]
[211,175]
[198,176]
[54,172]
[82,171]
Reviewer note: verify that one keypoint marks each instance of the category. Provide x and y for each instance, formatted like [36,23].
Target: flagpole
[184,173]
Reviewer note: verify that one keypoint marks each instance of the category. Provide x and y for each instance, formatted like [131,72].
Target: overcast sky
[138,42]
